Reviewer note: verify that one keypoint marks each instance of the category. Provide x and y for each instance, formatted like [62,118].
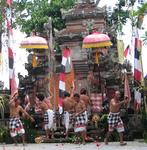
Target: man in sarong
[49,116]
[15,124]
[80,118]
[114,119]
[69,110]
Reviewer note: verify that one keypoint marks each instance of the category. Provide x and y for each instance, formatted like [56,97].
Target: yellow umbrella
[34,42]
[96,40]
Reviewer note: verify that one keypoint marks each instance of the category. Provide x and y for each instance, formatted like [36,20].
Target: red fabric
[61,102]
[137,74]
[66,52]
[62,77]
[8,2]
[126,51]
[10,52]
[127,92]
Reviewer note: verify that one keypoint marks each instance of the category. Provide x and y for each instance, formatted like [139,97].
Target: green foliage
[144,38]
[118,17]
[142,10]
[33,14]
[2,15]
[30,132]
[3,133]
[3,102]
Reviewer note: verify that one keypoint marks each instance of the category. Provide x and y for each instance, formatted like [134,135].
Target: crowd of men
[76,109]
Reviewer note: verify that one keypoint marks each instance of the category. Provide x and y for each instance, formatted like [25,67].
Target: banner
[120,48]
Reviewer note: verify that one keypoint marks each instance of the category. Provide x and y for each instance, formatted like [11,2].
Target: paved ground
[91,146]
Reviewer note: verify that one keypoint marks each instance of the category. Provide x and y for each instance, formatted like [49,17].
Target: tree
[118,17]
[32,15]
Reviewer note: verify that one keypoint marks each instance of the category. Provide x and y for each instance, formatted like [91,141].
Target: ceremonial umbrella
[34,42]
[96,40]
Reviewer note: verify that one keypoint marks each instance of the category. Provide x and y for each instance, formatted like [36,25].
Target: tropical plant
[33,14]
[118,18]
[2,105]
[144,38]
[3,133]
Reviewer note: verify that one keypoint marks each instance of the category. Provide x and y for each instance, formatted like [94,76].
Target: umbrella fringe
[96,45]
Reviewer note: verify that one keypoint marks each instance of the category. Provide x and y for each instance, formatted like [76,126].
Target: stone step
[63,140]
[61,134]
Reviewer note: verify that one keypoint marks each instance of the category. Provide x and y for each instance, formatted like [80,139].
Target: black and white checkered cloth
[46,118]
[80,120]
[114,120]
[15,124]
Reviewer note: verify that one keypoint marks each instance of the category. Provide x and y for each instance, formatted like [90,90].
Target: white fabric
[64,60]
[50,124]
[80,129]
[66,120]
[60,109]
[20,132]
[62,85]
[137,64]
[137,97]
[86,116]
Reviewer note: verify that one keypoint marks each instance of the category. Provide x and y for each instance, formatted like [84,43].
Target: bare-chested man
[80,117]
[48,112]
[114,120]
[69,110]
[85,98]
[15,124]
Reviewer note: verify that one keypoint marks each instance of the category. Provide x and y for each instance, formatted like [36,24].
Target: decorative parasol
[96,40]
[34,42]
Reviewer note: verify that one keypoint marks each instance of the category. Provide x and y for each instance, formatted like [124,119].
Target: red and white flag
[137,60]
[12,81]
[65,60]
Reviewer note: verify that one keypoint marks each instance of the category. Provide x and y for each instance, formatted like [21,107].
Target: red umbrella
[34,42]
[96,40]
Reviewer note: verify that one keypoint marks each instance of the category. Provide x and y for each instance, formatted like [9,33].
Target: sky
[127,29]
[21,54]
[20,57]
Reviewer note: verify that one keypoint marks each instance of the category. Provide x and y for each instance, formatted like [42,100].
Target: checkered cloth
[96,101]
[49,119]
[80,122]
[115,122]
[15,125]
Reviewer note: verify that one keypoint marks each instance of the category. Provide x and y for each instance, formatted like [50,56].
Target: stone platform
[89,146]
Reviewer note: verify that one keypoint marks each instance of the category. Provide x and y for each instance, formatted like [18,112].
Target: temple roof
[83,10]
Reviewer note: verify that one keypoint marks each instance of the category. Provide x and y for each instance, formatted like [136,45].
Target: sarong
[115,122]
[16,127]
[49,120]
[80,122]
[68,120]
